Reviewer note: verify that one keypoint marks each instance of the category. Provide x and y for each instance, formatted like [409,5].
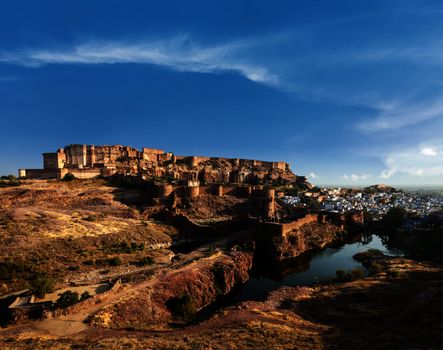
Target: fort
[169,177]
[88,161]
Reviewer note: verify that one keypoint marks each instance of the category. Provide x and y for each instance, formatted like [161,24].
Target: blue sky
[348,92]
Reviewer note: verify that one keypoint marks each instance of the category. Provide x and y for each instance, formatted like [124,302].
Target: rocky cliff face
[175,295]
[278,246]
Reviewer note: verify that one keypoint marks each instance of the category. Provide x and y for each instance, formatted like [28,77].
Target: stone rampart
[85,173]
[297,224]
[42,173]
[281,241]
[283,228]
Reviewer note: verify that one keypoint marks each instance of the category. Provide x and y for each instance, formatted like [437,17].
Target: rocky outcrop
[278,245]
[198,285]
[278,241]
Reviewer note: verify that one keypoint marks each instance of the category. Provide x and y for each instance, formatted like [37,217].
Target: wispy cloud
[256,59]
[180,54]
[424,160]
[397,115]
[355,177]
[260,60]
[427,53]
[313,175]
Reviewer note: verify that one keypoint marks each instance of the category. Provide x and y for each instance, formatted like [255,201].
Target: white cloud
[180,54]
[424,160]
[313,175]
[257,59]
[428,151]
[355,177]
[386,174]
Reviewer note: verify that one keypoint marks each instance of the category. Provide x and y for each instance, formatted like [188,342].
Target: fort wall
[42,173]
[279,165]
[83,173]
[222,190]
[284,228]
[295,225]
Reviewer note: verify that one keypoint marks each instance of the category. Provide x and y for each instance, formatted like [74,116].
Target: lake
[308,268]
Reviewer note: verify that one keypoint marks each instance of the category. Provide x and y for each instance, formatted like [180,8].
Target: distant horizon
[344,91]
[397,186]
[321,184]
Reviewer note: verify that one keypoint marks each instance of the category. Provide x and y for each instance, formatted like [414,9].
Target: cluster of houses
[377,203]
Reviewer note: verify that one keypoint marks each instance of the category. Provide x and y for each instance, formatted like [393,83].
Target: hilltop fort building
[88,161]
[174,176]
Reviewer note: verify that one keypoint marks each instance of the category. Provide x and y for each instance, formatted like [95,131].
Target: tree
[41,284]
[67,299]
[395,217]
[310,202]
[367,216]
[434,220]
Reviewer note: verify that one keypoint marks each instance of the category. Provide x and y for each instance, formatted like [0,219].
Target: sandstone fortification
[88,161]
[174,176]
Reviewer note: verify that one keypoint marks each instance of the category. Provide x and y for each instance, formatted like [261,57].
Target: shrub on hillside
[8,177]
[42,284]
[348,276]
[9,183]
[85,295]
[375,269]
[147,260]
[116,261]
[397,274]
[68,177]
[67,299]
[90,218]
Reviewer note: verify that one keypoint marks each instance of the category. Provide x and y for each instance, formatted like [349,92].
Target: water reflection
[308,268]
